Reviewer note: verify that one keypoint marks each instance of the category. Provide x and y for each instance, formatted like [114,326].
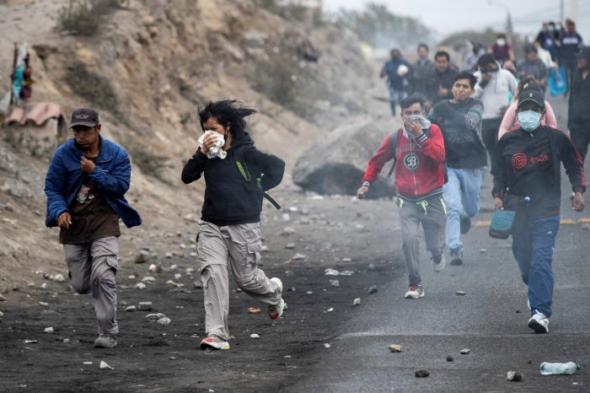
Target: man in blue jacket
[85,187]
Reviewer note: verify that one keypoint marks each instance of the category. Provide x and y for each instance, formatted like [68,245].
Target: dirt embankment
[146,69]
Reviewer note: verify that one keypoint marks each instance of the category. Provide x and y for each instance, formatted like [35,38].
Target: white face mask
[424,123]
[501,41]
[529,120]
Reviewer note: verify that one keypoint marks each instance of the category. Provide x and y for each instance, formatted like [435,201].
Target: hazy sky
[452,15]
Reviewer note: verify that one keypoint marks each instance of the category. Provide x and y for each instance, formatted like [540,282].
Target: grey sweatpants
[92,270]
[432,214]
[236,247]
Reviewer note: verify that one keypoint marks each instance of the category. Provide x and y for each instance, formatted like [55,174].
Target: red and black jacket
[527,165]
[419,163]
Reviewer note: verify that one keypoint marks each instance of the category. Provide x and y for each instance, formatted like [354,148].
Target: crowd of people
[457,124]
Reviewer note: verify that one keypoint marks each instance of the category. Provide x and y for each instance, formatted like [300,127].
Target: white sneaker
[539,322]
[414,292]
[275,311]
[105,341]
[440,266]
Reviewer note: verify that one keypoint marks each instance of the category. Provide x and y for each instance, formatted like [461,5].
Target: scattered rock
[299,257]
[422,373]
[264,248]
[155,316]
[286,217]
[104,365]
[168,255]
[44,304]
[254,310]
[372,267]
[145,306]
[130,308]
[87,363]
[164,321]
[142,257]
[395,348]
[331,272]
[174,284]
[356,301]
[1,314]
[450,358]
[330,309]
[140,285]
[177,276]
[288,231]
[290,246]
[483,250]
[255,336]
[327,346]
[460,293]
[465,351]
[2,298]
[57,277]
[292,289]
[49,330]
[28,341]
[335,283]
[346,273]
[132,277]
[309,293]
[44,285]
[155,268]
[513,376]
[197,285]
[148,279]
[586,227]
[373,290]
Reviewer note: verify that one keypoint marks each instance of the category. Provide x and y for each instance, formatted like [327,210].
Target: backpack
[394,142]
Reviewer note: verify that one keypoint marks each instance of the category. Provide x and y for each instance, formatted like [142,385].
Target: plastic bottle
[568,368]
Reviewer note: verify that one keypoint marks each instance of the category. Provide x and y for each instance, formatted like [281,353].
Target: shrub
[84,17]
[93,87]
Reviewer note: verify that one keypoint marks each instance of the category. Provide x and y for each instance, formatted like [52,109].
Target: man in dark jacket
[460,122]
[418,153]
[396,70]
[442,78]
[85,187]
[579,113]
[570,43]
[422,74]
[526,169]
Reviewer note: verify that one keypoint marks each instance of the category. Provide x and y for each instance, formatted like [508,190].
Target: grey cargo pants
[432,214]
[92,269]
[236,247]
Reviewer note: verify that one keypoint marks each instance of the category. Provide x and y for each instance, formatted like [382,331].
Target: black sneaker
[465,225]
[456,258]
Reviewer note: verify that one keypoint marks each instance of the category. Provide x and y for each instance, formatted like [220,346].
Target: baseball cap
[84,117]
[584,53]
[531,94]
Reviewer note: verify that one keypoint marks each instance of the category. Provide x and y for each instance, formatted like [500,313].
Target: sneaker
[440,265]
[465,225]
[456,257]
[275,311]
[214,342]
[415,292]
[539,323]
[105,341]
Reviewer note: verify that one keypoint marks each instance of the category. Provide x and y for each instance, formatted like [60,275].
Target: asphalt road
[490,320]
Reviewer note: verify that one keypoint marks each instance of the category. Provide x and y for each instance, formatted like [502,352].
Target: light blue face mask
[529,120]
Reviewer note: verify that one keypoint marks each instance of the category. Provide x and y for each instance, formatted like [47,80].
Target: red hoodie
[420,163]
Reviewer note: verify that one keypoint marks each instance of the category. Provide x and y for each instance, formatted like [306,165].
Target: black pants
[580,138]
[489,134]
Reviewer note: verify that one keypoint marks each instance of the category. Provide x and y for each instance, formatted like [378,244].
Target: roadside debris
[465,351]
[155,268]
[130,308]
[327,346]
[140,286]
[460,293]
[142,257]
[568,368]
[373,290]
[145,306]
[513,376]
[450,358]
[422,373]
[335,283]
[28,341]
[356,301]
[104,365]
[254,310]
[255,336]
[49,330]
[395,348]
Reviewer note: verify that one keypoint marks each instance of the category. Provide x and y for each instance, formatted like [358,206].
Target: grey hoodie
[496,94]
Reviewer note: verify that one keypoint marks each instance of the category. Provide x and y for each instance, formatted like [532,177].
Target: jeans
[461,194]
[395,97]
[532,246]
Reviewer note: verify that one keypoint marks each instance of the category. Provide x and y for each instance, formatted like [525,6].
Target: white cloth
[215,150]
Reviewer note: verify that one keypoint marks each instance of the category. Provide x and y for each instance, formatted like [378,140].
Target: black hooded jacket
[234,196]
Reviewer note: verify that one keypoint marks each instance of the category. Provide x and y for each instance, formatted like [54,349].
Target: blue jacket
[111,178]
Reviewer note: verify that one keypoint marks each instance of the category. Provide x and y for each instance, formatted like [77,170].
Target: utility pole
[561,11]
